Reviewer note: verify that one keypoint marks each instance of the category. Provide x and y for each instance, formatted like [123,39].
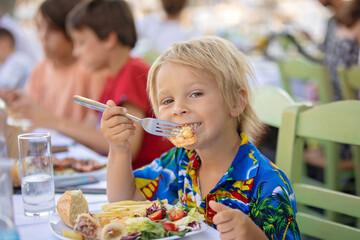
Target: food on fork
[184,138]
[71,204]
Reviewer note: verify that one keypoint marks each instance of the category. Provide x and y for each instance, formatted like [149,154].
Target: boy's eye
[196,94]
[167,101]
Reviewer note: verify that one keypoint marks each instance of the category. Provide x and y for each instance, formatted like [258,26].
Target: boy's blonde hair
[224,62]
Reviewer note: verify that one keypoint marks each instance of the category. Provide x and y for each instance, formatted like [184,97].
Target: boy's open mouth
[193,126]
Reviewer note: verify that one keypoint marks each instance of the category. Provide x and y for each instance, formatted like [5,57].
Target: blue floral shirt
[252,184]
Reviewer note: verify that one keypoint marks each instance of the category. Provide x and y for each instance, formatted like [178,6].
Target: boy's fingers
[218,207]
[110,103]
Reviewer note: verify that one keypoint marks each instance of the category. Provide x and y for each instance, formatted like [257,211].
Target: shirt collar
[245,165]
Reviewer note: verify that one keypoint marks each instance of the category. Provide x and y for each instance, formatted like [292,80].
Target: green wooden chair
[309,72]
[349,84]
[269,103]
[336,122]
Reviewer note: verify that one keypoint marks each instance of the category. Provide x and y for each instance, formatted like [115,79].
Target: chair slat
[326,122]
[327,199]
[318,227]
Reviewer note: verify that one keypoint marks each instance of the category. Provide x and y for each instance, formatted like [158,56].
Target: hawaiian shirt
[252,184]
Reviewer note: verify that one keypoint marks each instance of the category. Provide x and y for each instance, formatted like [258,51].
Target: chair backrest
[349,82]
[337,122]
[309,72]
[269,103]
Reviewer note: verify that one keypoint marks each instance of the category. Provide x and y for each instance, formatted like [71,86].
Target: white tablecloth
[37,228]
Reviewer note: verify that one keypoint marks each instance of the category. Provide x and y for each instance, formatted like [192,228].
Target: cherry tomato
[156,216]
[170,227]
[176,214]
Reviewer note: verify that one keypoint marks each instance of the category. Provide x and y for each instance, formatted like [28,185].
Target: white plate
[57,226]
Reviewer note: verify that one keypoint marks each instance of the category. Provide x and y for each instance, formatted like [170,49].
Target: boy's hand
[234,224]
[116,128]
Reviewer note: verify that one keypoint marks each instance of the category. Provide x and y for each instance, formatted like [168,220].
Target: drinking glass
[36,171]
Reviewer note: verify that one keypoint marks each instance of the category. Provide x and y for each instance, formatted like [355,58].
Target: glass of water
[36,171]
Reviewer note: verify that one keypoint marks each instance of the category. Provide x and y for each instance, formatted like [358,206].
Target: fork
[150,125]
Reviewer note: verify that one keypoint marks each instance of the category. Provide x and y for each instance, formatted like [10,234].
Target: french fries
[72,234]
[128,205]
[118,211]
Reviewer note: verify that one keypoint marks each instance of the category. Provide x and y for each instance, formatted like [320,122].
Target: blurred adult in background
[47,98]
[25,42]
[15,66]
[157,32]
[104,33]
[341,44]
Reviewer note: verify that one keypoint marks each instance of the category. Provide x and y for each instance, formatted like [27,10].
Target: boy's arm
[120,178]
[117,130]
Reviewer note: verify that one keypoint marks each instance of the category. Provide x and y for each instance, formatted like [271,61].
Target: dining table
[94,190]
[38,228]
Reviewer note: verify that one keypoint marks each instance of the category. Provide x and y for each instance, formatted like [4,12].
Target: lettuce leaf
[192,216]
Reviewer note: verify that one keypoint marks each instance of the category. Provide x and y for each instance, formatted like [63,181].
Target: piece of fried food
[186,137]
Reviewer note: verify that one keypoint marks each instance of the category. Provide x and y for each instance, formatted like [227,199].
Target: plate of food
[126,220]
[78,161]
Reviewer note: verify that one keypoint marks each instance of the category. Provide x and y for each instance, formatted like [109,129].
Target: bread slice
[70,205]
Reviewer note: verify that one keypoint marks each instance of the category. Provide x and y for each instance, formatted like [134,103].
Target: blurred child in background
[203,83]
[15,66]
[25,41]
[47,98]
[104,34]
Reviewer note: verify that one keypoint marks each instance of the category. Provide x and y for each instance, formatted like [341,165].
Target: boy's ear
[239,104]
[111,40]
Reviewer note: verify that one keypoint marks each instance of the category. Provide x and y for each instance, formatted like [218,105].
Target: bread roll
[70,205]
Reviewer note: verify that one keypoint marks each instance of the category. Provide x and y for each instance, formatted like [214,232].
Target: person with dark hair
[158,32]
[104,34]
[341,45]
[15,67]
[47,98]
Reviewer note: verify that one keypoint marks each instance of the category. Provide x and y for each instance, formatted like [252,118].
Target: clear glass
[36,171]
[7,228]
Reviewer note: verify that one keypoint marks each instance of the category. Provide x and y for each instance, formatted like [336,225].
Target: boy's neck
[118,58]
[220,156]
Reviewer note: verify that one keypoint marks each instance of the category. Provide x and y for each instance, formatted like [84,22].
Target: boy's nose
[180,110]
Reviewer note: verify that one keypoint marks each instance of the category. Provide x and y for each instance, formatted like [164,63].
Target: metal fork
[150,125]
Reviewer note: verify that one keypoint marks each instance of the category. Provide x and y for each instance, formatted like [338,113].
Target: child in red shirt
[104,34]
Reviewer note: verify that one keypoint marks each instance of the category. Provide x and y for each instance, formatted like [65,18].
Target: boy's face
[88,48]
[54,41]
[194,99]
